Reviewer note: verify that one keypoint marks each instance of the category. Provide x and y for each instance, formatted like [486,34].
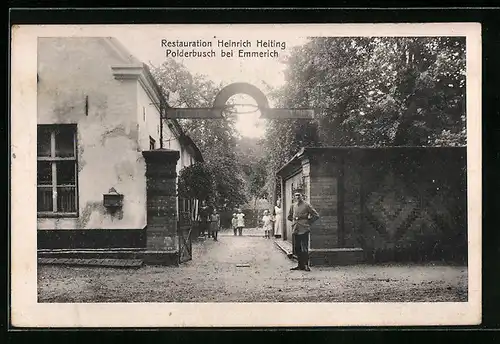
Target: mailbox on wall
[113,199]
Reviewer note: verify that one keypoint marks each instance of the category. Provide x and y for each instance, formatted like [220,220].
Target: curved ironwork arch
[240,88]
[219,104]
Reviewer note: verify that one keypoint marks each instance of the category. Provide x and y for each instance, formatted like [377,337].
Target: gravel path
[213,276]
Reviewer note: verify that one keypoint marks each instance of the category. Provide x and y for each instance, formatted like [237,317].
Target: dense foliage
[371,92]
[216,139]
[195,182]
[254,167]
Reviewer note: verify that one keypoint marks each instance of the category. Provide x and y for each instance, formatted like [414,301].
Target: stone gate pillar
[161,194]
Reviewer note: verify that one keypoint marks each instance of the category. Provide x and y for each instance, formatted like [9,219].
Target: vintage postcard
[246,175]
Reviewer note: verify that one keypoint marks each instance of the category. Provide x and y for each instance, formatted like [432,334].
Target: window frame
[53,160]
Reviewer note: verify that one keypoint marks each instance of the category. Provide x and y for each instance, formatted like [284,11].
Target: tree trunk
[401,137]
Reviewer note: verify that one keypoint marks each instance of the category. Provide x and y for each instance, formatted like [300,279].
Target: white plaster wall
[148,117]
[151,127]
[109,153]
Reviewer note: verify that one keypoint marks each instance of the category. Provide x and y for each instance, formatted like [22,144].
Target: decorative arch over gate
[240,88]
[219,104]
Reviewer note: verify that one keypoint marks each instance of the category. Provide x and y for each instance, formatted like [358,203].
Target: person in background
[234,223]
[302,215]
[267,224]
[209,221]
[240,217]
[278,216]
[203,218]
[214,224]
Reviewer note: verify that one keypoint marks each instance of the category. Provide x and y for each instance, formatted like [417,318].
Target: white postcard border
[26,312]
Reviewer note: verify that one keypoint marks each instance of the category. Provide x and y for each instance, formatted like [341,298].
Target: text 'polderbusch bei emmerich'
[229,48]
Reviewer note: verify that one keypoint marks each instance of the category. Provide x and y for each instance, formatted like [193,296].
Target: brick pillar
[324,198]
[161,191]
[330,235]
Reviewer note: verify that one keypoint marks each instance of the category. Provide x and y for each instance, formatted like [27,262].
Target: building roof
[190,143]
[120,51]
[295,161]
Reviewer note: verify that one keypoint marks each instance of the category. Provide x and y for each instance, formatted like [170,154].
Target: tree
[195,182]
[371,92]
[214,137]
[257,180]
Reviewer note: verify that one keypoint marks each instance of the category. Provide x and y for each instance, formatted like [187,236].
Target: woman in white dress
[278,215]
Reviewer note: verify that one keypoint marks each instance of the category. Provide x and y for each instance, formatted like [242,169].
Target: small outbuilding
[387,204]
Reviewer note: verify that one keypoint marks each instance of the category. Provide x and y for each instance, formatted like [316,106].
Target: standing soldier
[302,215]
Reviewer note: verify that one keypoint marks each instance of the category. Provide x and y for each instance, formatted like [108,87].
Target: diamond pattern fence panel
[413,210]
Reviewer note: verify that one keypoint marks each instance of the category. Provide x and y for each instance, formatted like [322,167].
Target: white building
[98,111]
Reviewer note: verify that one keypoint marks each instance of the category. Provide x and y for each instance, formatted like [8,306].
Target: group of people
[209,221]
[238,222]
[301,214]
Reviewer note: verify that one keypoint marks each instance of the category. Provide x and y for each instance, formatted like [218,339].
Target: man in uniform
[302,215]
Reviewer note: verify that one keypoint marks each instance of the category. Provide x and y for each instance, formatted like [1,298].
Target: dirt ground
[213,276]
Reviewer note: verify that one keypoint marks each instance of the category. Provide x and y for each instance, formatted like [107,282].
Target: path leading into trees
[250,269]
